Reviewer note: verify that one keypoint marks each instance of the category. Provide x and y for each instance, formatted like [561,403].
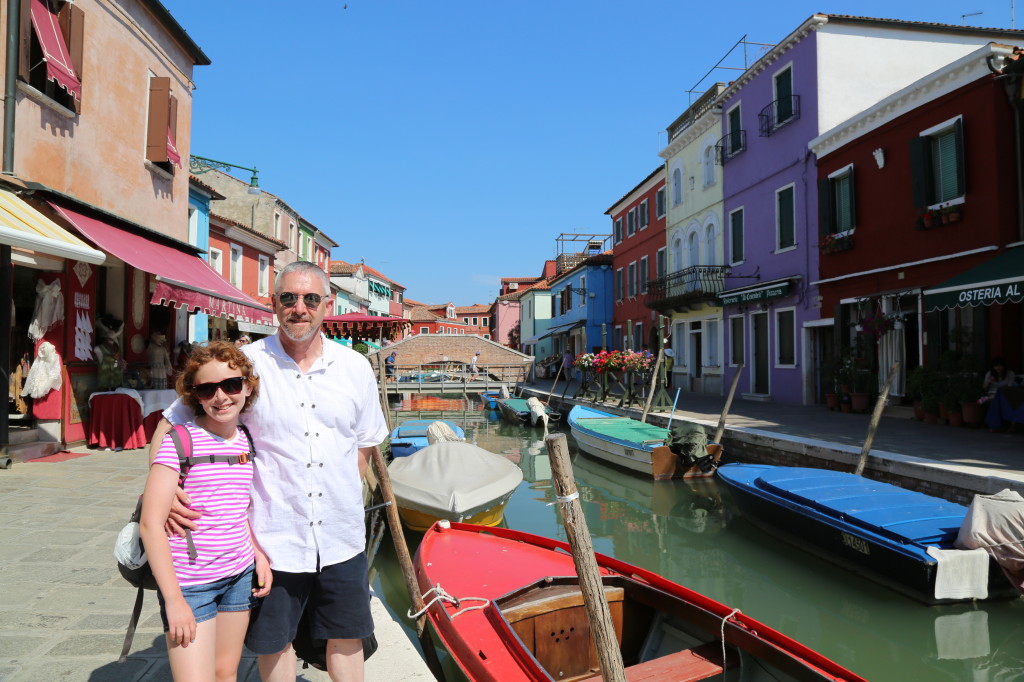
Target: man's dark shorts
[339,598]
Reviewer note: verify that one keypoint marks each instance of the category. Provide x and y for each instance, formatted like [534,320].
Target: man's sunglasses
[288,299]
[232,386]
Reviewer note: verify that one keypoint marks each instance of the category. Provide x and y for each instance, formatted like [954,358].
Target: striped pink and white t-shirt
[220,492]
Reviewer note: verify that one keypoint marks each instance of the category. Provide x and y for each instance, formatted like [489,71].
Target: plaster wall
[99,156]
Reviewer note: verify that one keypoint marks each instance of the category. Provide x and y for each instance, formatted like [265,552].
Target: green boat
[517,411]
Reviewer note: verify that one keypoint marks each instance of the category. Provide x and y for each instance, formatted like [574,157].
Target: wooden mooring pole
[728,404]
[582,547]
[554,383]
[654,384]
[876,416]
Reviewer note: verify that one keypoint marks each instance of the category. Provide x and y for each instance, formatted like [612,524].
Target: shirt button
[320,495]
[302,404]
[309,495]
[311,523]
[321,465]
[307,433]
[299,376]
[313,406]
[308,465]
[319,522]
[317,434]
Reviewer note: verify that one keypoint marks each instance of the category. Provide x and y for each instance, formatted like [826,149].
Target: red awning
[172,152]
[55,49]
[183,280]
[362,322]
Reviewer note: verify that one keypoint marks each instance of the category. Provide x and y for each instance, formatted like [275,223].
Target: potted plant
[951,400]
[916,380]
[929,218]
[969,394]
[860,397]
[952,214]
[836,242]
[931,395]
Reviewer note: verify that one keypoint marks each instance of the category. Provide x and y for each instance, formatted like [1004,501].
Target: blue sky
[449,143]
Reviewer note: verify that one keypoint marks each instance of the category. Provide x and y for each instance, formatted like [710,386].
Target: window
[736,341]
[659,263]
[216,261]
[711,343]
[291,235]
[424,330]
[785,217]
[677,186]
[736,236]
[264,281]
[55,72]
[483,322]
[645,273]
[618,284]
[937,164]
[783,96]
[709,165]
[583,285]
[632,280]
[644,215]
[475,322]
[277,225]
[617,338]
[659,203]
[617,230]
[638,336]
[162,125]
[835,201]
[236,266]
[785,338]
[631,222]
[736,142]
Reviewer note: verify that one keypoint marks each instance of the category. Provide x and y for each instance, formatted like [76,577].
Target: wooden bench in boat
[702,662]
[554,627]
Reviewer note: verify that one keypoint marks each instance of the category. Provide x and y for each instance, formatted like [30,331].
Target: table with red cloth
[115,421]
[154,402]
[1007,405]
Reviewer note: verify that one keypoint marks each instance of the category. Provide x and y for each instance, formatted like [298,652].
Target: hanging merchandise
[45,374]
[83,335]
[49,309]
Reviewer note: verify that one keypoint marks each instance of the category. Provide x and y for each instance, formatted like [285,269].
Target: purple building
[829,69]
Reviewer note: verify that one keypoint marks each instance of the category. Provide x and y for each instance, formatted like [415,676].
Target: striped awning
[24,227]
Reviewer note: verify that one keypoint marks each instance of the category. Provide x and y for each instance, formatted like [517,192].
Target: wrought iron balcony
[686,288]
[777,114]
[730,145]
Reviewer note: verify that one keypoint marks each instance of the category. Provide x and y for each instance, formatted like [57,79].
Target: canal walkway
[63,605]
[974,452]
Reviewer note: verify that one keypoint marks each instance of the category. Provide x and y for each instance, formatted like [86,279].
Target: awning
[55,49]
[172,151]
[24,227]
[761,291]
[183,280]
[558,329]
[362,322]
[997,280]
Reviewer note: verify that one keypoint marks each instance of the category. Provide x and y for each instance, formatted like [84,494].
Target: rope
[441,595]
[568,510]
[731,614]
[439,432]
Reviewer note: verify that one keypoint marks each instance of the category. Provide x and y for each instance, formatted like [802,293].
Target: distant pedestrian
[567,360]
[389,365]
[473,369]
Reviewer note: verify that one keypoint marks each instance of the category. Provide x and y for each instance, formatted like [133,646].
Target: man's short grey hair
[303,266]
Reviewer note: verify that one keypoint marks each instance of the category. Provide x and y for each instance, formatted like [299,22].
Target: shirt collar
[327,356]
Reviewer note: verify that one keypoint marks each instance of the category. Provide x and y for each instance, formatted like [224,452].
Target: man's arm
[180,517]
[364,460]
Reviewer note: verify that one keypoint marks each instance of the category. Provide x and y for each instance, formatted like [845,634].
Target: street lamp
[198,165]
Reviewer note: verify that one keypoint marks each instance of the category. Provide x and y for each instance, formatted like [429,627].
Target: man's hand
[180,516]
[264,576]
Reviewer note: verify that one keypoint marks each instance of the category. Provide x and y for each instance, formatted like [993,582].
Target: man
[473,369]
[314,429]
[389,365]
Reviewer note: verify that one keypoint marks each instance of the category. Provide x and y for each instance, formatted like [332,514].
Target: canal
[692,533]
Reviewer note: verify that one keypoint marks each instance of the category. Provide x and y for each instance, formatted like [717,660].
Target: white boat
[456,481]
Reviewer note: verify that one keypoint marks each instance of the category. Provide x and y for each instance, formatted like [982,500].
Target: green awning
[998,280]
[761,291]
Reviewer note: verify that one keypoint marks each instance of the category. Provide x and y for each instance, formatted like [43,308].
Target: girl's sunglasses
[232,386]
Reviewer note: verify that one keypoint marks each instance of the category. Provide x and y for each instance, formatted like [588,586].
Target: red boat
[507,606]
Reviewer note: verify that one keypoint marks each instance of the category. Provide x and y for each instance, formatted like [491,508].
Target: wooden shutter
[159,115]
[961,174]
[25,41]
[72,25]
[921,171]
[172,120]
[826,222]
[852,199]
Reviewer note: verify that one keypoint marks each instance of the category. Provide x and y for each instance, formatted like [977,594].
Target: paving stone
[17,647]
[90,670]
[91,599]
[28,593]
[86,644]
[27,620]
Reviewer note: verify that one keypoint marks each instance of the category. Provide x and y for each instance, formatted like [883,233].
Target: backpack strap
[133,623]
[182,440]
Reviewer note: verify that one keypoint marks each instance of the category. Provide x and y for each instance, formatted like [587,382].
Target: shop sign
[762,294]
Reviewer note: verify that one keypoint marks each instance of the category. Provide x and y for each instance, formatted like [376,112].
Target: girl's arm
[264,576]
[156,503]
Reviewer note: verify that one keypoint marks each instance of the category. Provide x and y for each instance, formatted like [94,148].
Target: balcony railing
[730,145]
[693,285]
[777,114]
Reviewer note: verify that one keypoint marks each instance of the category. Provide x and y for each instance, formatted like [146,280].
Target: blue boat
[410,436]
[876,529]
[490,399]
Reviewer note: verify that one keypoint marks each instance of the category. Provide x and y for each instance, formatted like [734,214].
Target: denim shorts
[233,593]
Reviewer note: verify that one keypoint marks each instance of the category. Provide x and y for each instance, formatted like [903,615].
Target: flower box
[836,242]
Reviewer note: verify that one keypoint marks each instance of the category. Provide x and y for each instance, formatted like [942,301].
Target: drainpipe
[6,269]
[1013,87]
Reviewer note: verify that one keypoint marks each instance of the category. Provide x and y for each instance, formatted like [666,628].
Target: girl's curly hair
[223,352]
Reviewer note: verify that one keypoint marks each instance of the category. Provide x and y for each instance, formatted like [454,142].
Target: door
[759,325]
[696,357]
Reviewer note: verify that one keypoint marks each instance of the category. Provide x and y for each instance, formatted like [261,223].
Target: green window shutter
[784,201]
[961,174]
[784,96]
[921,172]
[825,214]
[737,236]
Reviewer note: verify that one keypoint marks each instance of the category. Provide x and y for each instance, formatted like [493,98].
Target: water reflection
[690,532]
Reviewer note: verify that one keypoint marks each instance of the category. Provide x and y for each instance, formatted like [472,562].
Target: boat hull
[421,521]
[523,586]
[901,563]
[514,410]
[410,436]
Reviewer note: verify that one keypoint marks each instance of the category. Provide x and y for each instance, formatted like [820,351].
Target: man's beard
[287,330]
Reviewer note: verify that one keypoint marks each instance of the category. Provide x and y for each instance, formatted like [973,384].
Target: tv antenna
[963,17]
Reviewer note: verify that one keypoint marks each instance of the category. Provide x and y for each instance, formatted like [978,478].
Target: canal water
[692,533]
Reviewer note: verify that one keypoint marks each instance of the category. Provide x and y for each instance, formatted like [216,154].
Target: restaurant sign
[752,295]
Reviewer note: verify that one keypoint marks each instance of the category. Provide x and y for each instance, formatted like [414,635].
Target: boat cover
[624,428]
[453,478]
[521,405]
[996,523]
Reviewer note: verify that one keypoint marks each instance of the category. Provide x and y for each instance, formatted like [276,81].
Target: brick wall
[427,348]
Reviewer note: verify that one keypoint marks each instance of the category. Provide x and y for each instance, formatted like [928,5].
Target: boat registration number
[856,543]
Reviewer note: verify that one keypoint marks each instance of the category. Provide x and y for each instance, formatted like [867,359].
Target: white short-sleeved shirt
[307,428]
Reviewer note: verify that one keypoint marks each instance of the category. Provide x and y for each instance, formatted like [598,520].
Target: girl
[205,601]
